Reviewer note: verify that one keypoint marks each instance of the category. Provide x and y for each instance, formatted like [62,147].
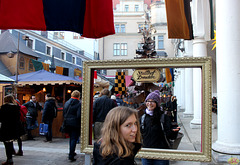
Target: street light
[24,37]
[17,58]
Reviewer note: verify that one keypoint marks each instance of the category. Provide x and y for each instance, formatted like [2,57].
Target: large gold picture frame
[204,63]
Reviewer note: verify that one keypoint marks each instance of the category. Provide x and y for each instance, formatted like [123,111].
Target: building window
[30,43]
[73,60]
[136,8]
[142,26]
[30,67]
[116,49]
[62,56]
[48,50]
[124,49]
[77,36]
[117,28]
[160,42]
[21,63]
[58,35]
[126,8]
[120,28]
[120,49]
[44,34]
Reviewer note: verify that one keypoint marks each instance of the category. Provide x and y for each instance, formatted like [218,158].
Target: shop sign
[146,75]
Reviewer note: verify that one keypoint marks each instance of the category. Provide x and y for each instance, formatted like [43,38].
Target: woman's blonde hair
[9,99]
[112,139]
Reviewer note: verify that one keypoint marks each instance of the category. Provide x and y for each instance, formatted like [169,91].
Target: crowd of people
[17,120]
[119,130]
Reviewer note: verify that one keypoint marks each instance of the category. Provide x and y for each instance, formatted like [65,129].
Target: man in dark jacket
[32,114]
[101,107]
[72,118]
[49,113]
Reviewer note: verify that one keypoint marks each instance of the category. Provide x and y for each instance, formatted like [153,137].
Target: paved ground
[56,153]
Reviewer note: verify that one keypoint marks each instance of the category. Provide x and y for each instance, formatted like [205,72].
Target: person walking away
[101,107]
[10,122]
[33,108]
[119,100]
[120,140]
[48,114]
[155,133]
[23,112]
[72,117]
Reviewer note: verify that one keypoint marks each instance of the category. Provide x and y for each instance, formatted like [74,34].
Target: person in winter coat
[33,108]
[154,132]
[23,112]
[101,107]
[119,100]
[72,117]
[120,140]
[48,114]
[10,122]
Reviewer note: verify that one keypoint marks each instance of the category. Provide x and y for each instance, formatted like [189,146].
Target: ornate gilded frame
[205,63]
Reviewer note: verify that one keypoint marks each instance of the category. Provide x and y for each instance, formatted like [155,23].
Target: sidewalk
[56,153]
[38,152]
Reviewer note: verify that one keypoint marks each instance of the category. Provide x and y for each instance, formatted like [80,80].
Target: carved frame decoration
[205,63]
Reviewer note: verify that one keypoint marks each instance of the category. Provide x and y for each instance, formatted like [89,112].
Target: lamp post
[17,59]
[24,37]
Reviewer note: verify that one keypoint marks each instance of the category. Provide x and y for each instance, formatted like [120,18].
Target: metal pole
[17,58]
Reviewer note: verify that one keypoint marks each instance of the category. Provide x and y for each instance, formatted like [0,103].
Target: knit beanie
[154,96]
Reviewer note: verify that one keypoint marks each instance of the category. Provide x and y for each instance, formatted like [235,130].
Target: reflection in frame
[204,63]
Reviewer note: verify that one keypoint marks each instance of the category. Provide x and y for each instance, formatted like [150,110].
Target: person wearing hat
[153,130]
[113,98]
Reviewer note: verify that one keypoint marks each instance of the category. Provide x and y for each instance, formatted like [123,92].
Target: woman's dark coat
[113,159]
[152,133]
[49,110]
[10,122]
[73,116]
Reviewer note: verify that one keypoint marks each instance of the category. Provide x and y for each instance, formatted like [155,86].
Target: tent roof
[43,77]
[5,79]
[9,43]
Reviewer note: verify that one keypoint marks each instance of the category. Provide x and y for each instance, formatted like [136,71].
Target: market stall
[41,82]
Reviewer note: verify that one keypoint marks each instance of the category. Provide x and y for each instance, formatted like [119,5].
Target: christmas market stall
[41,82]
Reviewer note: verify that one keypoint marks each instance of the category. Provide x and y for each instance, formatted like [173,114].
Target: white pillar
[199,50]
[178,87]
[182,89]
[188,93]
[188,82]
[201,32]
[228,78]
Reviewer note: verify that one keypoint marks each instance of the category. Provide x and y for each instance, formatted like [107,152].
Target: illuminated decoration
[69,91]
[214,39]
[44,89]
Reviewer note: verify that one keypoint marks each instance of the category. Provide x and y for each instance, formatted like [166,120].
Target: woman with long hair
[120,140]
[10,122]
[154,132]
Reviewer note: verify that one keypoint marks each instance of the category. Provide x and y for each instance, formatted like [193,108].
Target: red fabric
[95,74]
[98,19]
[23,112]
[30,15]
[75,98]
